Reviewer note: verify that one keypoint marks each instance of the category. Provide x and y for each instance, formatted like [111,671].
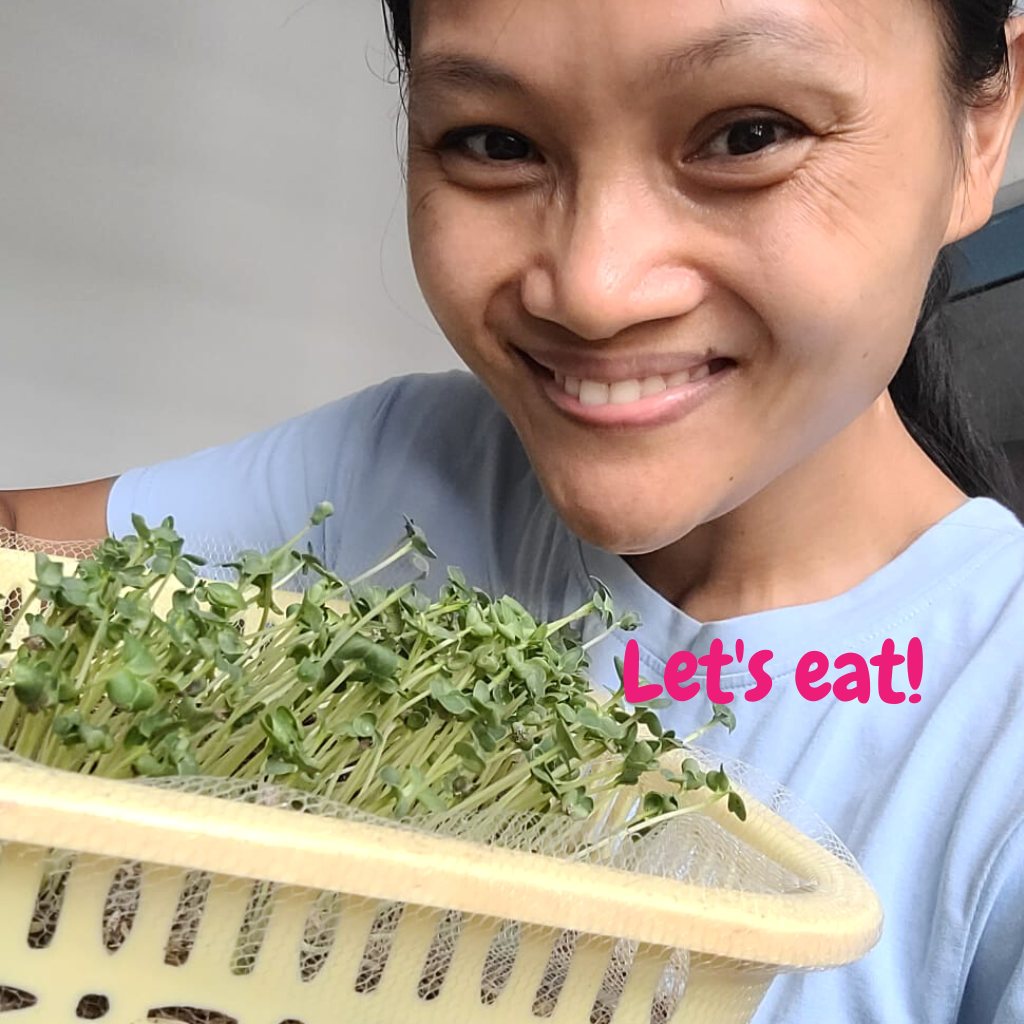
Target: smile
[632,402]
[627,392]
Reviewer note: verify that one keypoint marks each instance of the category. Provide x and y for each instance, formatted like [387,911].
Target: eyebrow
[778,34]
[462,72]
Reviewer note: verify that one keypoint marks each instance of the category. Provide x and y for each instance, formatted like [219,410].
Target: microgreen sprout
[375,696]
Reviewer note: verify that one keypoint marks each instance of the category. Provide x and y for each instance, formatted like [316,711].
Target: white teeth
[624,392]
[593,392]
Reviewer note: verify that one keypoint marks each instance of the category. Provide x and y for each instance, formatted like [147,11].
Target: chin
[623,528]
[626,538]
[615,506]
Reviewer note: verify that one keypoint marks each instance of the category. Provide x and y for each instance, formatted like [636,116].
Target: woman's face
[683,242]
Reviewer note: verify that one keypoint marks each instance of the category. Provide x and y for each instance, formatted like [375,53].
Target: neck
[813,533]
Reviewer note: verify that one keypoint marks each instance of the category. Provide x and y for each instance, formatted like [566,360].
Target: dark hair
[926,390]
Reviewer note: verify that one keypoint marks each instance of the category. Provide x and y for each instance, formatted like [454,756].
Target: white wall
[201,225]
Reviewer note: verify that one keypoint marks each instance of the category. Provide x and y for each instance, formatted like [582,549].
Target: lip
[655,410]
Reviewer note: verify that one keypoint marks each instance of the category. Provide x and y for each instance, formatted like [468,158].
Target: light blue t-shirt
[928,796]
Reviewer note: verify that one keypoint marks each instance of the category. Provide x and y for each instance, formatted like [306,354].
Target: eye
[749,137]
[489,145]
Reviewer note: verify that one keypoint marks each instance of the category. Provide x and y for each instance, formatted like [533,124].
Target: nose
[618,259]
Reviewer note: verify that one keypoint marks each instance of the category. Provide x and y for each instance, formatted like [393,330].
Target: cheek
[463,254]
[437,257]
[841,269]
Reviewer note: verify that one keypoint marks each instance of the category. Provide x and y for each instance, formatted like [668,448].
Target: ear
[988,135]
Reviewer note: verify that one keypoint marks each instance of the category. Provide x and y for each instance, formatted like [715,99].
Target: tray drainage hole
[501,959]
[92,1007]
[12,605]
[555,975]
[319,934]
[378,947]
[254,927]
[189,1015]
[187,915]
[49,900]
[12,999]
[122,906]
[614,982]
[440,955]
[671,987]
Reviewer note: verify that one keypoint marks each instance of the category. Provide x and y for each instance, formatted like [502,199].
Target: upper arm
[74,512]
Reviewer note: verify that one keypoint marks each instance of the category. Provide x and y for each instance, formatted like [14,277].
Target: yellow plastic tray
[734,942]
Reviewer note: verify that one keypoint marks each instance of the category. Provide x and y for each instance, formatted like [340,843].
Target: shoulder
[990,575]
[442,431]
[448,412]
[422,420]
[975,624]
[419,399]
[434,447]
[450,390]
[438,449]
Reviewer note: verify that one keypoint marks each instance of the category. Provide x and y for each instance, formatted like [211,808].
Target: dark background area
[987,321]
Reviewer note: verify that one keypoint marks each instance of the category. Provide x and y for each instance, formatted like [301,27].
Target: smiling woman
[557,198]
[693,252]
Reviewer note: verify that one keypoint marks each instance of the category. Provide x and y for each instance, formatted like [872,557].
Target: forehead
[642,39]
